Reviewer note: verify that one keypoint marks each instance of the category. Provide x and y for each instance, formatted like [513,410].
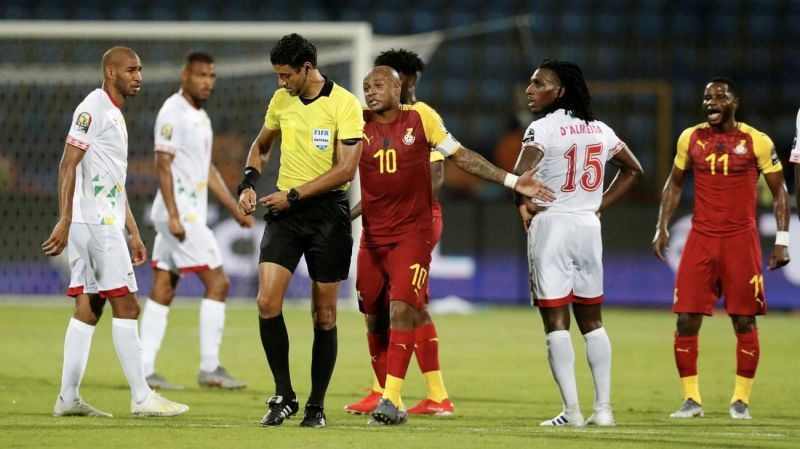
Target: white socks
[212,323]
[129,351]
[76,354]
[562,363]
[154,324]
[598,353]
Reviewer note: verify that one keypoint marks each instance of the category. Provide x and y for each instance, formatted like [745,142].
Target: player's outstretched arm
[630,170]
[472,162]
[670,197]
[66,189]
[257,159]
[138,250]
[780,205]
[348,153]
[217,186]
[166,185]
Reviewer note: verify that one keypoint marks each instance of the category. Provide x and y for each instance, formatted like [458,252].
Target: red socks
[686,355]
[747,352]
[427,348]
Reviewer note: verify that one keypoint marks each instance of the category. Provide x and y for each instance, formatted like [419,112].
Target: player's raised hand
[778,257]
[247,201]
[532,188]
[276,202]
[57,240]
[661,243]
[176,228]
[138,251]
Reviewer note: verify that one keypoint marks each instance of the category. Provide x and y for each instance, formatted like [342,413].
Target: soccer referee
[320,125]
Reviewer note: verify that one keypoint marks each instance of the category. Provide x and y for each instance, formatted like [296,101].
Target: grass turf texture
[494,364]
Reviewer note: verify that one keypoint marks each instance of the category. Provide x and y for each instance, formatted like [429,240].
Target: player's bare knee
[268,307]
[125,307]
[324,317]
[743,324]
[688,324]
[218,288]
[401,315]
[422,317]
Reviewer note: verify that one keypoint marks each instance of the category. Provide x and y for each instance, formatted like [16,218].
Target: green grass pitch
[494,364]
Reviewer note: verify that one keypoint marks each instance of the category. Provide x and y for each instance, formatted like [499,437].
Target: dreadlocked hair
[576,99]
[404,61]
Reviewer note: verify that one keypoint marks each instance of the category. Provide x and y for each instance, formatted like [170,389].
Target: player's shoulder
[699,129]
[425,108]
[174,104]
[95,100]
[756,135]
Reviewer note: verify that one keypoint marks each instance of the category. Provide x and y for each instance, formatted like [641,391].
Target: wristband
[510,180]
[251,175]
[782,238]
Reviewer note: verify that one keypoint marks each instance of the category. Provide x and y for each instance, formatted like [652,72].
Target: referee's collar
[325,92]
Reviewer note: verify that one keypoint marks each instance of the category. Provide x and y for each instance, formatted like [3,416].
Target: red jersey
[726,168]
[395,174]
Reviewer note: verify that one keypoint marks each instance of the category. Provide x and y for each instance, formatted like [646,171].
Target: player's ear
[561,91]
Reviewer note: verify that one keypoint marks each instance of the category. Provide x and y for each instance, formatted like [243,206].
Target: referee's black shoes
[314,416]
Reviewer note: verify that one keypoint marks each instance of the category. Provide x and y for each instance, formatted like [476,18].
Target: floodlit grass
[494,364]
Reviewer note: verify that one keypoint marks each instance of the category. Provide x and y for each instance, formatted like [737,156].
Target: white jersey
[99,129]
[185,132]
[794,157]
[575,154]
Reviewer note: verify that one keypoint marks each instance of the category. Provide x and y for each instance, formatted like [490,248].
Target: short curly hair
[293,50]
[404,61]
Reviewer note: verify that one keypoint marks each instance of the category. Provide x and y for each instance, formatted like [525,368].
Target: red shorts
[393,272]
[730,267]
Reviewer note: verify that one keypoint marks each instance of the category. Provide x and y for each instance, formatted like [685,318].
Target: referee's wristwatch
[293,196]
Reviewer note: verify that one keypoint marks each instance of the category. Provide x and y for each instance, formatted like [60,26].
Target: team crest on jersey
[166,131]
[408,139]
[321,138]
[530,136]
[83,122]
[741,148]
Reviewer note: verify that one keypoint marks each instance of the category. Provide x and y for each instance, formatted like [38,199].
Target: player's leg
[78,339]
[696,290]
[373,303]
[77,342]
[426,349]
[281,250]
[586,305]
[407,266]
[125,335]
[153,324]
[743,284]
[212,325]
[551,271]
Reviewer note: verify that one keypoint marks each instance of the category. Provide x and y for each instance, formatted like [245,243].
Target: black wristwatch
[293,196]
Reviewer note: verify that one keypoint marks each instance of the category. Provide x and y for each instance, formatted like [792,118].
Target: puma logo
[367,138]
[402,345]
[699,142]
[686,350]
[760,301]
[374,358]
[750,353]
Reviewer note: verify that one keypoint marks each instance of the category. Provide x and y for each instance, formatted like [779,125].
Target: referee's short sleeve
[350,118]
[272,119]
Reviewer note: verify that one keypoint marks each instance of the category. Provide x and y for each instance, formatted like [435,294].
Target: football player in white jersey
[571,148]
[94,209]
[794,158]
[184,243]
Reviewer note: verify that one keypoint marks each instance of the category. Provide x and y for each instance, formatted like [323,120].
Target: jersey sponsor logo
[741,148]
[166,131]
[321,138]
[83,122]
[408,139]
[775,160]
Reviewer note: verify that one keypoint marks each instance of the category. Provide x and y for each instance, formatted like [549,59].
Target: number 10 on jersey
[387,160]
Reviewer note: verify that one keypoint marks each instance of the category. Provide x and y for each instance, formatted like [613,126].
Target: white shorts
[565,259]
[197,252]
[99,261]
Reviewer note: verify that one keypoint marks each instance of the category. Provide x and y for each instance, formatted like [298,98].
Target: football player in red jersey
[395,250]
[722,256]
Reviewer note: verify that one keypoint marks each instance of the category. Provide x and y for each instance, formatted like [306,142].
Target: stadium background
[647,63]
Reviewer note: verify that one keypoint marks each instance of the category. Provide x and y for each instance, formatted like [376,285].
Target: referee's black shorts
[317,227]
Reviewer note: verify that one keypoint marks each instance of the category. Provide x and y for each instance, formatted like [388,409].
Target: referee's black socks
[275,340]
[323,359]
